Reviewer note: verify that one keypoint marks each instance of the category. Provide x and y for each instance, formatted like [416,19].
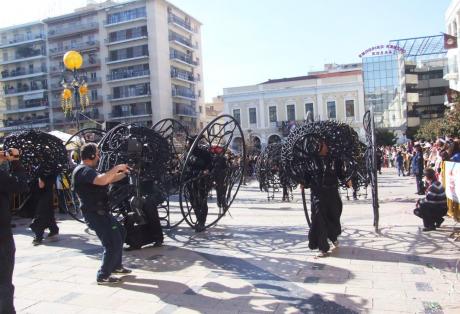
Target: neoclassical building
[267,111]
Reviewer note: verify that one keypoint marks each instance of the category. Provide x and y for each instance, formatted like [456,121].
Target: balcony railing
[144,55]
[126,75]
[129,95]
[132,113]
[22,108]
[184,110]
[20,58]
[124,19]
[22,39]
[77,28]
[79,46]
[24,123]
[120,39]
[12,75]
[13,91]
[172,18]
[182,40]
[183,92]
[175,55]
[183,75]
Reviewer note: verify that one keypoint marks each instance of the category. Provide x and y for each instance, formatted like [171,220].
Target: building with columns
[267,111]
[452,22]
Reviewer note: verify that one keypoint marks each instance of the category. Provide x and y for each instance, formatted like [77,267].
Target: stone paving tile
[255,262]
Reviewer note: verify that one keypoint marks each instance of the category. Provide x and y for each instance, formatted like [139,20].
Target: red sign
[382,50]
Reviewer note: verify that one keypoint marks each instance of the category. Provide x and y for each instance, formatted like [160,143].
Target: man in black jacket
[14,182]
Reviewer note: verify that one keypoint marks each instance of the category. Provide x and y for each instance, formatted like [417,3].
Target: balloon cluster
[300,153]
[42,154]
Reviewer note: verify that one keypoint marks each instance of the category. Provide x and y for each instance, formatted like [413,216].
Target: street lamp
[75,93]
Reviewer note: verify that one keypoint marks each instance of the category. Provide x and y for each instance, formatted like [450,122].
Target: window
[309,107]
[290,112]
[93,94]
[237,115]
[331,113]
[349,108]
[272,114]
[252,116]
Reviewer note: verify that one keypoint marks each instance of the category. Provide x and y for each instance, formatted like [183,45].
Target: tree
[449,125]
[385,137]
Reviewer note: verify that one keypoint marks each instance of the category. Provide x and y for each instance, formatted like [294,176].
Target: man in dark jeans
[91,188]
[14,182]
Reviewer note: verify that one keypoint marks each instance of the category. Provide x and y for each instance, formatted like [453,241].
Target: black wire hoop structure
[223,175]
[176,135]
[370,158]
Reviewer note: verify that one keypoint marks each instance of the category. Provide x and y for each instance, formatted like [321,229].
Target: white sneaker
[322,254]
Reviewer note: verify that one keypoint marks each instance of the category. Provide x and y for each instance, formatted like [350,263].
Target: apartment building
[23,67]
[452,23]
[152,63]
[142,63]
[75,31]
[212,110]
[267,111]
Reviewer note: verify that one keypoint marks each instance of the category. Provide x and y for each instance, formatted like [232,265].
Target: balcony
[184,110]
[109,42]
[25,109]
[109,61]
[20,124]
[127,97]
[182,41]
[182,58]
[183,93]
[94,62]
[125,19]
[76,28]
[17,59]
[19,75]
[20,40]
[116,115]
[14,92]
[181,23]
[127,75]
[183,76]
[59,51]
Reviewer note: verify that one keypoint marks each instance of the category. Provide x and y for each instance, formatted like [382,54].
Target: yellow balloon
[66,93]
[83,90]
[73,60]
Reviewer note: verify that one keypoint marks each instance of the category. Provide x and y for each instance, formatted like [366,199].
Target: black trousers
[44,214]
[430,213]
[7,251]
[151,211]
[198,195]
[326,209]
[419,182]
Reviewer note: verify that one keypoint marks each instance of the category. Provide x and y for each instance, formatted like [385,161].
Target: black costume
[44,211]
[326,205]
[198,189]
[9,183]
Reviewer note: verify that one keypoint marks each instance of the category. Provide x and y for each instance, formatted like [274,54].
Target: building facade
[142,63]
[403,83]
[267,111]
[24,100]
[212,110]
[452,22]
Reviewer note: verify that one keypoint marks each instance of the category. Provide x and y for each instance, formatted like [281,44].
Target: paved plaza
[256,260]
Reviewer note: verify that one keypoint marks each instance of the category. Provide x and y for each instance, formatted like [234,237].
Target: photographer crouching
[13,182]
[91,188]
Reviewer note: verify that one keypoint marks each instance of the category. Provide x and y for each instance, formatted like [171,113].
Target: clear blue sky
[249,41]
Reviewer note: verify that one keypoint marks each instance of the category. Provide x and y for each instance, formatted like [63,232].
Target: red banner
[450,42]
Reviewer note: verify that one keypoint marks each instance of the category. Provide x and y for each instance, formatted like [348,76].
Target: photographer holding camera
[91,188]
[13,182]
